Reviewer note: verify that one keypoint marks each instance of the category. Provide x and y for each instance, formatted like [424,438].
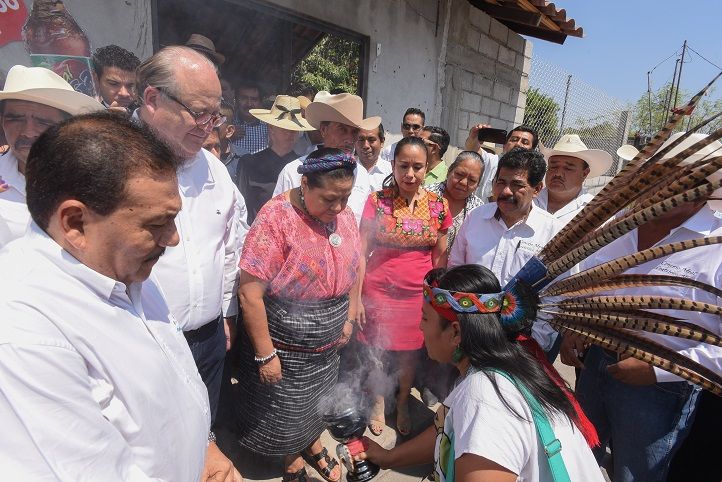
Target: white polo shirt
[381,170]
[14,214]
[567,212]
[485,240]
[290,178]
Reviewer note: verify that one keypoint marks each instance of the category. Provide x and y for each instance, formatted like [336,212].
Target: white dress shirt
[491,165]
[14,214]
[567,212]
[483,239]
[290,178]
[199,276]
[387,153]
[96,379]
[702,264]
[381,170]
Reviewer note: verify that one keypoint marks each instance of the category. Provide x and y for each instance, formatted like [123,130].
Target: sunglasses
[202,119]
[411,127]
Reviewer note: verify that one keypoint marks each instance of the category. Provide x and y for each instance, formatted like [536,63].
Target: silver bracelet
[211,437]
[262,360]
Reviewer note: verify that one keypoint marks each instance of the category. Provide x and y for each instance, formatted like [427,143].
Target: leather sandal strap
[300,476]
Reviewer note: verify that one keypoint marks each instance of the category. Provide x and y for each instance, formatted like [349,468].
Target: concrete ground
[255,468]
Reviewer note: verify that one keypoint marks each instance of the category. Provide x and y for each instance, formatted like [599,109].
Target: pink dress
[402,244]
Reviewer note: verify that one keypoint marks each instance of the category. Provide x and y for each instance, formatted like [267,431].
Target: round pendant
[335,240]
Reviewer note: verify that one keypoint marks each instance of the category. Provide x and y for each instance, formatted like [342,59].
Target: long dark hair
[389,181]
[490,347]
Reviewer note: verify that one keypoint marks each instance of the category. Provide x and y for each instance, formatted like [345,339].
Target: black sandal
[300,476]
[324,472]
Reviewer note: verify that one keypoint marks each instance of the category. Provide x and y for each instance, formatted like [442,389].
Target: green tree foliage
[332,64]
[660,100]
[542,113]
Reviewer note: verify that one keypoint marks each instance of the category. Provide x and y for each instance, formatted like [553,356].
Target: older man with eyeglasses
[181,97]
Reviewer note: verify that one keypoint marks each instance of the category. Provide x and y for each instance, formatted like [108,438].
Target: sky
[624,39]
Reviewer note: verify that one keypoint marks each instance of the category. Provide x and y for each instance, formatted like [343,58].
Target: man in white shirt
[520,136]
[505,234]
[96,380]
[413,121]
[569,164]
[338,118]
[181,102]
[368,147]
[32,100]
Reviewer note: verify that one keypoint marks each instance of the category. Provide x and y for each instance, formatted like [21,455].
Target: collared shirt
[567,212]
[387,153]
[437,174]
[231,161]
[702,264]
[290,178]
[256,135]
[380,171]
[98,382]
[199,276]
[483,239]
[14,214]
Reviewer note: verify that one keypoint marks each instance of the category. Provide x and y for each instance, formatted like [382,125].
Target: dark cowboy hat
[205,45]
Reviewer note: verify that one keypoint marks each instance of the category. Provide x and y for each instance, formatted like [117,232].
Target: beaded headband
[450,303]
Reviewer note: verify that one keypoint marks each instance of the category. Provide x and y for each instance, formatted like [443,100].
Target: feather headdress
[650,185]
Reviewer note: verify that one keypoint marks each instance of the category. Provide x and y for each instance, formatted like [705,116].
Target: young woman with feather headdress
[653,188]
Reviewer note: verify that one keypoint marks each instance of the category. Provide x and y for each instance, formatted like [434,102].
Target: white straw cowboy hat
[38,84]
[571,145]
[206,46]
[284,113]
[344,108]
[712,150]
[627,152]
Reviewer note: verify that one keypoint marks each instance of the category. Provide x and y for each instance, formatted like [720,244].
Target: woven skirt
[284,418]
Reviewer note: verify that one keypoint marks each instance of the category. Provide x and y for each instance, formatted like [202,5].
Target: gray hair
[160,69]
[464,156]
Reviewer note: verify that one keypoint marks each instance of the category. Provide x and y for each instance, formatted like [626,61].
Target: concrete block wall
[487,73]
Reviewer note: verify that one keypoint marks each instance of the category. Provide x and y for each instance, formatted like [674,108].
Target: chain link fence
[559,103]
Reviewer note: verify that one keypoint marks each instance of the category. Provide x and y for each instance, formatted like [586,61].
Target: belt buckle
[553,448]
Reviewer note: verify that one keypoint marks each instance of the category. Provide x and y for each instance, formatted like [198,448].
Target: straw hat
[344,108]
[712,150]
[571,145]
[284,113]
[627,152]
[38,84]
[304,101]
[205,45]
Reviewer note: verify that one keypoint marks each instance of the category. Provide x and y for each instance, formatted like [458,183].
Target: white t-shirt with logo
[474,420]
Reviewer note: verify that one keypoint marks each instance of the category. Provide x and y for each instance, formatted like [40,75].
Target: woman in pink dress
[403,235]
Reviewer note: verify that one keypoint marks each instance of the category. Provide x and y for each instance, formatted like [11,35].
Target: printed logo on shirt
[667,268]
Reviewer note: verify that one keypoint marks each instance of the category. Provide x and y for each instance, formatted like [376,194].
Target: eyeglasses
[201,118]
[411,127]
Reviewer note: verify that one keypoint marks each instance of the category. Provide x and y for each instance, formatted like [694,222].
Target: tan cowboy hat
[571,145]
[205,45]
[38,84]
[627,152]
[284,113]
[712,150]
[344,108]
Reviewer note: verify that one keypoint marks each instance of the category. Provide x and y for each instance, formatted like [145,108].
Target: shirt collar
[103,286]
[195,174]
[536,218]
[10,173]
[702,222]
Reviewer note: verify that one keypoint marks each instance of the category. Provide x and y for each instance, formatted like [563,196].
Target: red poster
[12,17]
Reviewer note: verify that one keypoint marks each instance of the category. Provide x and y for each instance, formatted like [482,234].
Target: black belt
[203,332]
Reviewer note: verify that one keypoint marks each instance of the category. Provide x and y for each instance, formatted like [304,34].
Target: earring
[457,355]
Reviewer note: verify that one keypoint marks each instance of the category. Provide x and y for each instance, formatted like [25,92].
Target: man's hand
[472,142]
[633,372]
[229,328]
[218,468]
[375,453]
[271,372]
[571,348]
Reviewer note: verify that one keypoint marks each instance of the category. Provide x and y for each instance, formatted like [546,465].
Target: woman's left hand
[347,333]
